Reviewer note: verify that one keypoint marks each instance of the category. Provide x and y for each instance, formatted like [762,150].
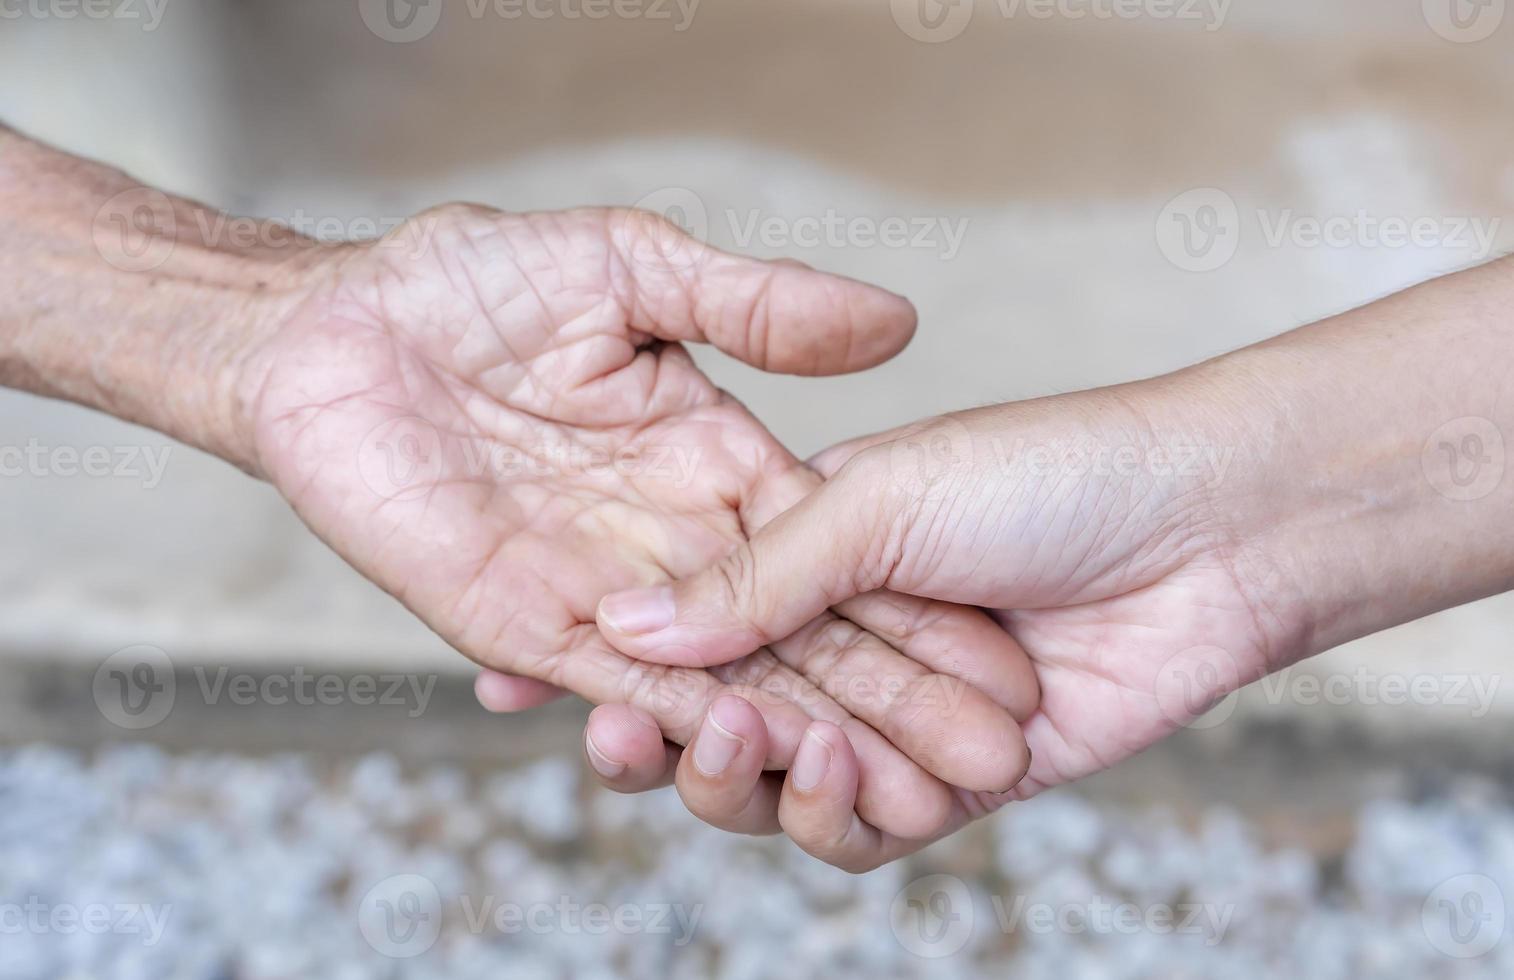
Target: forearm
[118,297]
[1374,454]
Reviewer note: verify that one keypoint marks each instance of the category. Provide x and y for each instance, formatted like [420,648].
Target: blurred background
[1073,192]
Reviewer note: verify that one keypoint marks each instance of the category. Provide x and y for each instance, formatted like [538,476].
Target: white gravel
[136,864]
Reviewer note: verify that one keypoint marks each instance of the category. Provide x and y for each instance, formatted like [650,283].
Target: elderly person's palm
[491,417]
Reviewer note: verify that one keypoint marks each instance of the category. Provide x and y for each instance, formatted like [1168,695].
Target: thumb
[828,548]
[780,316]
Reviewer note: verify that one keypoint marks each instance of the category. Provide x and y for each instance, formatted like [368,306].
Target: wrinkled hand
[1089,524]
[493,418]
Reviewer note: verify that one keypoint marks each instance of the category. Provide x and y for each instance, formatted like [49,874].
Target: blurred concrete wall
[1040,155]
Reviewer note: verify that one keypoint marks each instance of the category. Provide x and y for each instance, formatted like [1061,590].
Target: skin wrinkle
[543,320]
[461,534]
[481,576]
[759,320]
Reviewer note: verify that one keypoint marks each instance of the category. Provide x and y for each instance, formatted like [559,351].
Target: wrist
[1369,487]
[129,301]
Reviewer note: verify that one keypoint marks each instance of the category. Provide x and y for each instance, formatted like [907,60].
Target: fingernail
[602,763]
[811,761]
[638,611]
[715,747]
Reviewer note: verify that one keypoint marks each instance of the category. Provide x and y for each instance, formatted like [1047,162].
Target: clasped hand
[866,663]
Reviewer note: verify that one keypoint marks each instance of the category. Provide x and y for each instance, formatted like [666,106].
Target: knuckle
[854,865]
[648,236]
[833,846]
[669,694]
[706,799]
[738,582]
[459,213]
[887,508]
[829,646]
